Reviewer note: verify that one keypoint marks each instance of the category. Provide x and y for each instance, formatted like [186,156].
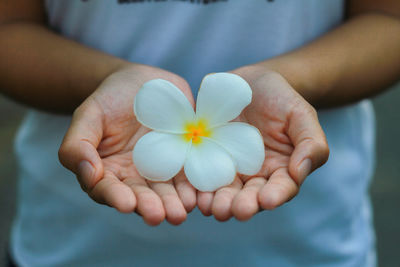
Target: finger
[222,202]
[311,148]
[78,151]
[279,189]
[149,204]
[186,192]
[174,209]
[204,202]
[245,204]
[112,192]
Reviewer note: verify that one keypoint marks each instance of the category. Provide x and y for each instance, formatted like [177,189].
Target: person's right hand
[98,149]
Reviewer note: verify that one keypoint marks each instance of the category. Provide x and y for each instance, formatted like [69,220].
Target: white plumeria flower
[209,147]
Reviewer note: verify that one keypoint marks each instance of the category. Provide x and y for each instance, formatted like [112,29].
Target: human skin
[331,71]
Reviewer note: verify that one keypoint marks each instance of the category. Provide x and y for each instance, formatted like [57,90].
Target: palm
[291,133]
[272,119]
[112,131]
[120,132]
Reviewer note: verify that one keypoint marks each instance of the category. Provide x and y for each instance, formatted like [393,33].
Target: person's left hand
[295,145]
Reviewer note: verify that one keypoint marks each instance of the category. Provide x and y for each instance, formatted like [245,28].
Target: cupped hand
[295,145]
[98,149]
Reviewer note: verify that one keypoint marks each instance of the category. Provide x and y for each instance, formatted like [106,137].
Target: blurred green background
[385,190]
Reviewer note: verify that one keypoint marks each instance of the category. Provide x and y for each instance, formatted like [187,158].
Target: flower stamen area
[196,130]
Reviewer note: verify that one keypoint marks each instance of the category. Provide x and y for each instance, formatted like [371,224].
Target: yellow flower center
[196,130]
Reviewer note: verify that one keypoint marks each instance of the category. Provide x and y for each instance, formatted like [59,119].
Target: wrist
[295,73]
[87,84]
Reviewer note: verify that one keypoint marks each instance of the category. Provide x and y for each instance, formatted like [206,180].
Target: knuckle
[77,111]
[83,108]
[311,111]
[62,153]
[325,152]
[66,155]
[304,108]
[321,150]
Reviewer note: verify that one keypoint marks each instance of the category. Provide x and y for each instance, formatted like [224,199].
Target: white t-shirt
[327,224]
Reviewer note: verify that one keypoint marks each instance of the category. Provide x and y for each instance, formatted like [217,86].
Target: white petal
[160,156]
[222,97]
[161,106]
[208,166]
[245,144]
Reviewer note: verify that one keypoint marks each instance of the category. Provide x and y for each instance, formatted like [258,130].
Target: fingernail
[85,172]
[304,170]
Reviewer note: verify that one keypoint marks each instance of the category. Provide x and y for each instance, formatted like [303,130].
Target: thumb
[311,149]
[78,151]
